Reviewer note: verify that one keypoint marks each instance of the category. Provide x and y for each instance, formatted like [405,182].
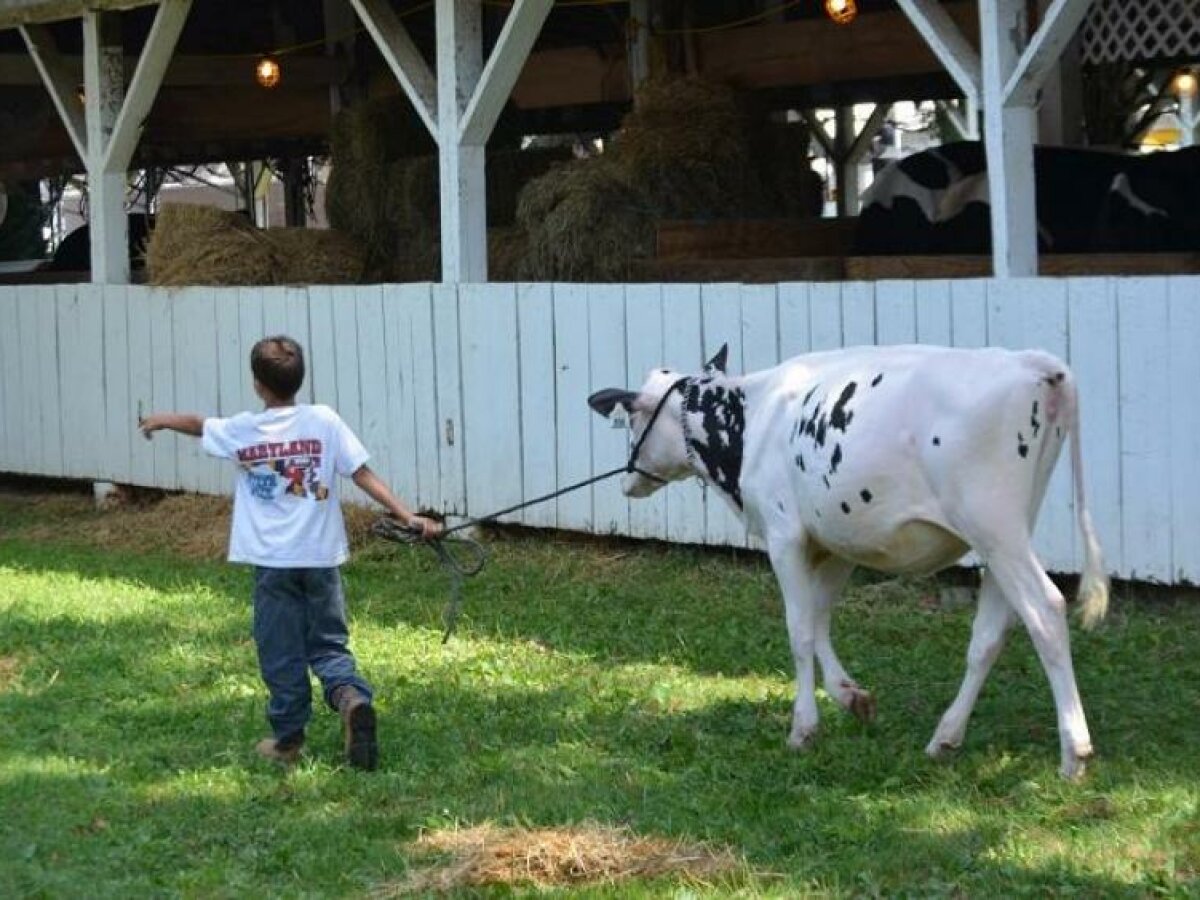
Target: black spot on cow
[779,505]
[718,446]
[866,495]
[1034,422]
[809,395]
[875,381]
[1022,447]
[800,462]
[825,478]
[840,417]
[937,441]
[846,507]
[835,460]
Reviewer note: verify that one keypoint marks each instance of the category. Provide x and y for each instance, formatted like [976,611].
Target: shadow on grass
[1139,678]
[176,802]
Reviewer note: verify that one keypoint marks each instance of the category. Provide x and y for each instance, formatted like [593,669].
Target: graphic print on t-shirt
[294,465]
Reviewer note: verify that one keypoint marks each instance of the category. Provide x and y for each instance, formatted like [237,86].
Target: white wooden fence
[473,397]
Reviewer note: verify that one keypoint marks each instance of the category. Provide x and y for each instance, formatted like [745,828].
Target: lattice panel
[1139,30]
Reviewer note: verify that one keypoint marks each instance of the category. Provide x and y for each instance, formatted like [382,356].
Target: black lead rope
[465,563]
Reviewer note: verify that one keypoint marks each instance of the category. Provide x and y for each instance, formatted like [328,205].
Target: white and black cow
[1088,201]
[900,459]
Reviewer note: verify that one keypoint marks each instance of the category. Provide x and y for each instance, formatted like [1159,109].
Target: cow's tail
[1093,585]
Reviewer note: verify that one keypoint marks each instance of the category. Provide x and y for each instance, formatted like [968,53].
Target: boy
[287,523]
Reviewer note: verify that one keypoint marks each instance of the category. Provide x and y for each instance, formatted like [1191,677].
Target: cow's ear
[605,401]
[719,361]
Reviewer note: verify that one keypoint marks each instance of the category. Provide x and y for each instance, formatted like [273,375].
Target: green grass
[609,683]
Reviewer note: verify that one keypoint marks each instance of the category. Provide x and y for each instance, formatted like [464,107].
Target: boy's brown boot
[358,727]
[285,752]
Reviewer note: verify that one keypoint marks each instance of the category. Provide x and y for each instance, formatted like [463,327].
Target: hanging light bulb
[1186,83]
[266,72]
[843,12]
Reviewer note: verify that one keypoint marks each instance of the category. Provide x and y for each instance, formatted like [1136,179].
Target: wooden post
[463,188]
[637,43]
[104,92]
[1008,135]
[847,150]
[1013,75]
[470,99]
[460,106]
[113,118]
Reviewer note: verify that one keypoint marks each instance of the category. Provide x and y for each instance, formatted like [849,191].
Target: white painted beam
[58,81]
[1061,21]
[462,176]
[637,43]
[819,132]
[104,88]
[947,41]
[403,58]
[862,143]
[1008,137]
[508,57]
[143,87]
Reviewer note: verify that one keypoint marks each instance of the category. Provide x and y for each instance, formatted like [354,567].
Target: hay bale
[379,130]
[685,148]
[506,249]
[201,245]
[204,245]
[315,256]
[584,222]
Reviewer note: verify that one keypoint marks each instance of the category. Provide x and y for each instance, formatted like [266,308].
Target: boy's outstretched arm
[184,423]
[382,494]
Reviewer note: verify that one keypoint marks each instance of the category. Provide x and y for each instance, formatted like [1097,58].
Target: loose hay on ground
[487,855]
[191,526]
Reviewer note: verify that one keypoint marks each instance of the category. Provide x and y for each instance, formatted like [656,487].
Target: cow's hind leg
[1041,607]
[1037,601]
[992,620]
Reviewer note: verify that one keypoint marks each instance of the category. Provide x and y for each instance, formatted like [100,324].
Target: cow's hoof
[1074,767]
[1074,770]
[801,741]
[861,703]
[939,749]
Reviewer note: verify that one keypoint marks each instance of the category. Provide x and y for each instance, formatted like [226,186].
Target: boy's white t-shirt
[286,512]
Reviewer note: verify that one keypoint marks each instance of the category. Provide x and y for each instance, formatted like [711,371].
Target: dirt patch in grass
[10,670]
[548,857]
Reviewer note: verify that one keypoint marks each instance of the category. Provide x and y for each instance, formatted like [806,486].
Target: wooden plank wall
[474,398]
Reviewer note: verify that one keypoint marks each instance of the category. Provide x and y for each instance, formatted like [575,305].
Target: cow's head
[663,451]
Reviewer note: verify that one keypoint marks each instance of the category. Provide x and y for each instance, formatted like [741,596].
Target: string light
[266,72]
[843,12]
[1186,83]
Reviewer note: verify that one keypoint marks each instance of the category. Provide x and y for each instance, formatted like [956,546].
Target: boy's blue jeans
[300,623]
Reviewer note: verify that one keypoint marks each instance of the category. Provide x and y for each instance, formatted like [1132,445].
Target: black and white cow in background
[900,459]
[1088,201]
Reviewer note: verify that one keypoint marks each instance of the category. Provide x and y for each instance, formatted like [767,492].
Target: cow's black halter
[460,568]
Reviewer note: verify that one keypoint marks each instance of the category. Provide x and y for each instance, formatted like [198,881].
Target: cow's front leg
[796,582]
[829,577]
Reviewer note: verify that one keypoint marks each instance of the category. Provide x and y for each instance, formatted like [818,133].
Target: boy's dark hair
[278,363]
